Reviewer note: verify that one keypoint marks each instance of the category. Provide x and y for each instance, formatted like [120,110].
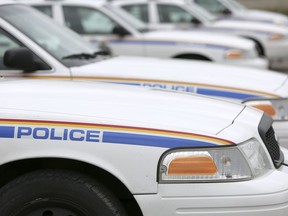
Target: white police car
[104,25]
[76,148]
[232,9]
[272,40]
[35,53]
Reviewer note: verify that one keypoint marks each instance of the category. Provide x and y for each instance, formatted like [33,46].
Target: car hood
[95,102]
[124,68]
[251,26]
[200,37]
[266,15]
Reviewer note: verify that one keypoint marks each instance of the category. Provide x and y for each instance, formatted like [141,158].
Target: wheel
[57,193]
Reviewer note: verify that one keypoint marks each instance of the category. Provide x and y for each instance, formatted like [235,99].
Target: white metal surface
[125,130]
[40,119]
[161,43]
[237,11]
[230,83]
[258,31]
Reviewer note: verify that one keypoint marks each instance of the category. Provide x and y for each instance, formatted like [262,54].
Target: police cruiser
[35,53]
[272,40]
[76,148]
[121,34]
[232,9]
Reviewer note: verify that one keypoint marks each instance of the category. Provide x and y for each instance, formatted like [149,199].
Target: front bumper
[264,196]
[260,63]
[281,131]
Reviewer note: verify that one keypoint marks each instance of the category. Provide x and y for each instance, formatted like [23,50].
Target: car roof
[74,1]
[171,1]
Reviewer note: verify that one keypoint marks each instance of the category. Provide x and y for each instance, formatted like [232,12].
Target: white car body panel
[135,114]
[162,43]
[256,30]
[229,83]
[261,16]
[130,109]
[191,72]
[125,130]
[250,26]
[240,12]
[260,31]
[100,114]
[265,15]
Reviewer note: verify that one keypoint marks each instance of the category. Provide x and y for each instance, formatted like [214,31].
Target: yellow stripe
[117,128]
[128,80]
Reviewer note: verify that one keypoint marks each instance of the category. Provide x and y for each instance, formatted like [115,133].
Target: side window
[173,14]
[214,6]
[86,20]
[140,11]
[46,9]
[6,43]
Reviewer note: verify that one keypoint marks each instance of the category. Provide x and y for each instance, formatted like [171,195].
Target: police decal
[53,133]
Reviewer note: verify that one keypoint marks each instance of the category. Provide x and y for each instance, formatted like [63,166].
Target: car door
[102,30]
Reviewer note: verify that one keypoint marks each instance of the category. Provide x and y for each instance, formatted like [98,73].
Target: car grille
[267,134]
[272,144]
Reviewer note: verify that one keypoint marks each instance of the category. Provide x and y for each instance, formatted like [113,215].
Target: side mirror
[104,49]
[226,12]
[20,58]
[120,31]
[195,21]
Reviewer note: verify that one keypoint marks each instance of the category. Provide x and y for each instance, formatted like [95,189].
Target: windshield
[132,21]
[235,5]
[60,42]
[202,13]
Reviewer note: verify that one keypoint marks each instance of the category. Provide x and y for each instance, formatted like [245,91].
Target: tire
[57,193]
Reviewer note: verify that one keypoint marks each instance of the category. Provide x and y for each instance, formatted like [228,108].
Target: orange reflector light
[275,37]
[192,165]
[234,55]
[267,108]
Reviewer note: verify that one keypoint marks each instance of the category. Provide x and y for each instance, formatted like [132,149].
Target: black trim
[264,126]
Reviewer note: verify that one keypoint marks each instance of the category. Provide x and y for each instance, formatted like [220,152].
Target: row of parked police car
[105,128]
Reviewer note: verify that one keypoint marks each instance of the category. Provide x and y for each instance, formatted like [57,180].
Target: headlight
[237,163]
[276,108]
[235,54]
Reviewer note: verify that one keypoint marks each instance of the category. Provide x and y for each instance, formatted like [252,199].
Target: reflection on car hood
[112,104]
[188,71]
[265,15]
[251,26]
[200,37]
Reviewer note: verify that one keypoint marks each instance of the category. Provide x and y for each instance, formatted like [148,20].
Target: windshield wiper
[81,56]
[144,30]
[85,56]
